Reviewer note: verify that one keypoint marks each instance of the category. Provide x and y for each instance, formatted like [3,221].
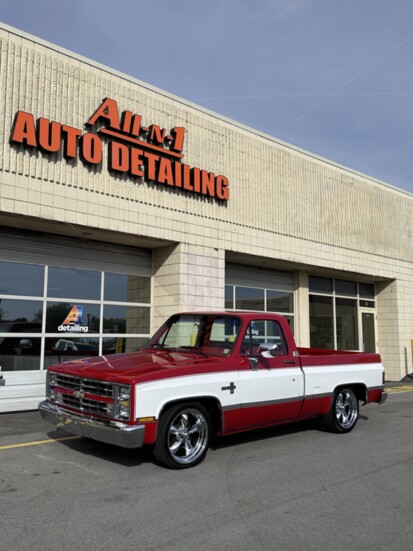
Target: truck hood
[141,366]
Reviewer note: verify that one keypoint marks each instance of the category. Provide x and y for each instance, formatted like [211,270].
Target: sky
[333,77]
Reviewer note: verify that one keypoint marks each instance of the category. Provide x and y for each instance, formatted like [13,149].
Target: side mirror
[268,349]
[26,343]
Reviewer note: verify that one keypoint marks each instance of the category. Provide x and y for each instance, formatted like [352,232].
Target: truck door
[271,381]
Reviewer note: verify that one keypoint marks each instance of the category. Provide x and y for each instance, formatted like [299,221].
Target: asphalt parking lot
[290,488]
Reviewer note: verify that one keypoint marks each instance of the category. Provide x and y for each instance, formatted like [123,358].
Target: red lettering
[131,123]
[151,165]
[187,178]
[91,148]
[178,174]
[136,162]
[156,134]
[49,135]
[165,174]
[24,130]
[196,179]
[208,183]
[126,121]
[178,134]
[136,125]
[118,157]
[108,111]
[222,188]
[70,136]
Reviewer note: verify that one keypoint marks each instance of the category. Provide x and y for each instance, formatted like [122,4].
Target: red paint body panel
[316,357]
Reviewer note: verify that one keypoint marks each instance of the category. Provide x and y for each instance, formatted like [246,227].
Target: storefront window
[127,288]
[279,301]
[366,290]
[255,299]
[21,279]
[119,345]
[321,322]
[25,314]
[67,348]
[73,283]
[73,328]
[320,284]
[19,353]
[336,321]
[67,317]
[125,319]
[248,298]
[229,297]
[346,323]
[346,287]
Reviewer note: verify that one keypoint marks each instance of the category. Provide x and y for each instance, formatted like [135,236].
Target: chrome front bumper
[110,432]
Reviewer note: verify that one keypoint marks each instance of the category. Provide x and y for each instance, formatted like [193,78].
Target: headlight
[124,393]
[51,379]
[122,409]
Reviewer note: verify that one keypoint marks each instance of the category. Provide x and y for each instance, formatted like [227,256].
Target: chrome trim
[383,398]
[110,432]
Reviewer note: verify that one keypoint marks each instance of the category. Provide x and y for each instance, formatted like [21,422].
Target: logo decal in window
[74,321]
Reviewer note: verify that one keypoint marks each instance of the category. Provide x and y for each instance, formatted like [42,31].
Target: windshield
[213,335]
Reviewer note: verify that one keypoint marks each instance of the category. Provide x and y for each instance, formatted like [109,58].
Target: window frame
[44,300]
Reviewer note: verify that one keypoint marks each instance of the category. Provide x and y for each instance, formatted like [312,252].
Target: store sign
[74,321]
[148,152]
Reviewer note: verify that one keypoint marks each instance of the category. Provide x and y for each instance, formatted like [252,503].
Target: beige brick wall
[284,203]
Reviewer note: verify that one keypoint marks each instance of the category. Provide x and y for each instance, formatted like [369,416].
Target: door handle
[289,362]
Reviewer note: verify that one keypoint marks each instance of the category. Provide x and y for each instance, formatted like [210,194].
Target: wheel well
[212,406]
[359,389]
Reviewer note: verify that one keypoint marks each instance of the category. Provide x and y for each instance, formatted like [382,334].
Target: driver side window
[263,332]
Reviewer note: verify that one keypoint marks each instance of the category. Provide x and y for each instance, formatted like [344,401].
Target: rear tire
[344,411]
[183,436]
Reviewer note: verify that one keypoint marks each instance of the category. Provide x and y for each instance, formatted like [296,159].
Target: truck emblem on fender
[231,387]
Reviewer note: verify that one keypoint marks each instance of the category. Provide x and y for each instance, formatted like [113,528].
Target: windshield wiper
[193,349]
[159,345]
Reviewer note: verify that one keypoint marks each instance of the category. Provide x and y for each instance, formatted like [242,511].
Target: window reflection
[321,322]
[125,319]
[66,348]
[346,320]
[127,288]
[21,315]
[279,301]
[19,353]
[21,279]
[74,322]
[121,344]
[73,283]
[247,298]
[229,297]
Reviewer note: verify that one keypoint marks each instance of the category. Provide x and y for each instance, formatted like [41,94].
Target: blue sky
[333,77]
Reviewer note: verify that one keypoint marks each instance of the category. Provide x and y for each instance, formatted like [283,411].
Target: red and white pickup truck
[206,374]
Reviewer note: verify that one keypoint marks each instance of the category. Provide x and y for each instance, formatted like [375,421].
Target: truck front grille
[86,395]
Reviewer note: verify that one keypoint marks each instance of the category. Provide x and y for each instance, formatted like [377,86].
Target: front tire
[183,436]
[344,411]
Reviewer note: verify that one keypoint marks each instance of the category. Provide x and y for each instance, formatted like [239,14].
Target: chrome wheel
[346,409]
[187,436]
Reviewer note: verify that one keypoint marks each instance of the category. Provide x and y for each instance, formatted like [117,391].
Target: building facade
[121,204]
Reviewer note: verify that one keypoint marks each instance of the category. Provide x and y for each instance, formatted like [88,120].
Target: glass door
[368,331]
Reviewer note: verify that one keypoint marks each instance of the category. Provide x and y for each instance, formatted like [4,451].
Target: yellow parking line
[397,389]
[25,444]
